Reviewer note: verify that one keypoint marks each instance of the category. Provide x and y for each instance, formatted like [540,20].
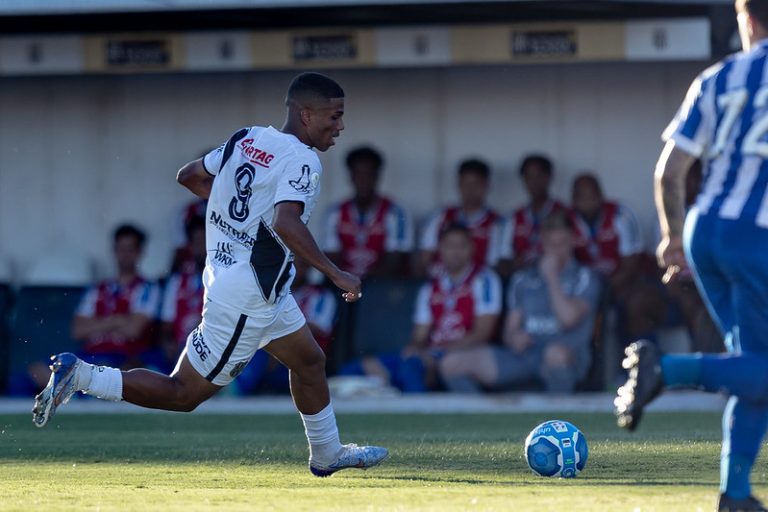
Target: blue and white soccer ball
[556,448]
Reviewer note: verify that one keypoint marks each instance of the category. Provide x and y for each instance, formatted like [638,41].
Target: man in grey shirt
[548,327]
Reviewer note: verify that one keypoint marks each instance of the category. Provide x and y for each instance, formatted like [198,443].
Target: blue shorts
[729,262]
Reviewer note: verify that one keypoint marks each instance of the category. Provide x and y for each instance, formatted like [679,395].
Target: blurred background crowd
[493,185]
[485,300]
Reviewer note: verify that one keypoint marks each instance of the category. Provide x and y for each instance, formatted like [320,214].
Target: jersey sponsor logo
[201,349]
[234,234]
[223,256]
[254,154]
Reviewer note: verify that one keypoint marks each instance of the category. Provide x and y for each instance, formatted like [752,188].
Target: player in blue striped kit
[724,240]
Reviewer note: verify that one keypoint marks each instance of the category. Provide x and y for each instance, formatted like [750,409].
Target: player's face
[325,123]
[558,243]
[536,181]
[127,254]
[473,190]
[586,198]
[456,250]
[364,176]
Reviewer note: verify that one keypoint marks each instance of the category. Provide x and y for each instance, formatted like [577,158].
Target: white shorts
[225,341]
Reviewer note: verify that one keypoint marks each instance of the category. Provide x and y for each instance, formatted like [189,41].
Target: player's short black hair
[455,227]
[758,9]
[312,87]
[130,230]
[536,159]
[193,224]
[590,178]
[365,153]
[475,166]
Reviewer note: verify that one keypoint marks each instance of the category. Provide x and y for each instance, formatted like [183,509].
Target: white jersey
[248,267]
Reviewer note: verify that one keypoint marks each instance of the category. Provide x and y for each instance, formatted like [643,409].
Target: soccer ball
[556,448]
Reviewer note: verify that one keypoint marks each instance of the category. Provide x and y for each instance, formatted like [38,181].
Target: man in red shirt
[458,309]
[474,177]
[114,317]
[607,237]
[521,237]
[183,295]
[368,234]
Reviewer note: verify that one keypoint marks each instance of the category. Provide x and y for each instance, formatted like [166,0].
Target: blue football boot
[61,386]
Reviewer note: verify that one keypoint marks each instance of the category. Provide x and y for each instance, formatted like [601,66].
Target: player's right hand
[670,256]
[351,285]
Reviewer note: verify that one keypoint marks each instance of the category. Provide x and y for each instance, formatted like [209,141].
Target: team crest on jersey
[238,369]
[307,182]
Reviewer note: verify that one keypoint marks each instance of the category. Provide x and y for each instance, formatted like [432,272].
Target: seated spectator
[485,224]
[114,318]
[183,296]
[520,240]
[607,237]
[548,326]
[457,310]
[184,255]
[265,373]
[368,234]
[316,302]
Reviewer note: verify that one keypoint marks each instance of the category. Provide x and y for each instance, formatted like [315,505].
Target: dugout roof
[28,16]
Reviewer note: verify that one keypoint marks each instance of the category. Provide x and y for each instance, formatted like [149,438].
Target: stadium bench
[41,324]
[383,320]
[6,303]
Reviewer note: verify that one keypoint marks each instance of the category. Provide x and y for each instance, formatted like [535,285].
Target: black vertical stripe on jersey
[230,147]
[267,259]
[228,351]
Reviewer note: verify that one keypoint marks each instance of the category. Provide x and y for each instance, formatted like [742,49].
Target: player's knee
[557,356]
[311,365]
[451,365]
[186,399]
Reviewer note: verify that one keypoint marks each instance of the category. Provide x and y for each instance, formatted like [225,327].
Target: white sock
[323,435]
[104,382]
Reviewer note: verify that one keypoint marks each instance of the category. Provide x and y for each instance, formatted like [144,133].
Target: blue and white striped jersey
[724,121]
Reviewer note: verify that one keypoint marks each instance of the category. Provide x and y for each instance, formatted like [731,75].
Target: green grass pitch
[437,462]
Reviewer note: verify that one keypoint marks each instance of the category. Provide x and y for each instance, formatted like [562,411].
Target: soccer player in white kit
[262,186]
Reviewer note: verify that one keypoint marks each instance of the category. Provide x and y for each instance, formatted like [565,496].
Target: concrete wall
[80,154]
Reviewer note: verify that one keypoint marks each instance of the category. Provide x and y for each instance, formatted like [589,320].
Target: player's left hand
[351,285]
[352,296]
[670,256]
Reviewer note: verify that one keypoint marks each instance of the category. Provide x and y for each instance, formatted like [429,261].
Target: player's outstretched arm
[194,177]
[669,193]
[294,233]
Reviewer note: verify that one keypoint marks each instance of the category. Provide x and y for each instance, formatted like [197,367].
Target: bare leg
[478,364]
[300,353]
[183,390]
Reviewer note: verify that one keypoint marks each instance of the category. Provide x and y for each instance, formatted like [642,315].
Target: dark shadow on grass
[539,482]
